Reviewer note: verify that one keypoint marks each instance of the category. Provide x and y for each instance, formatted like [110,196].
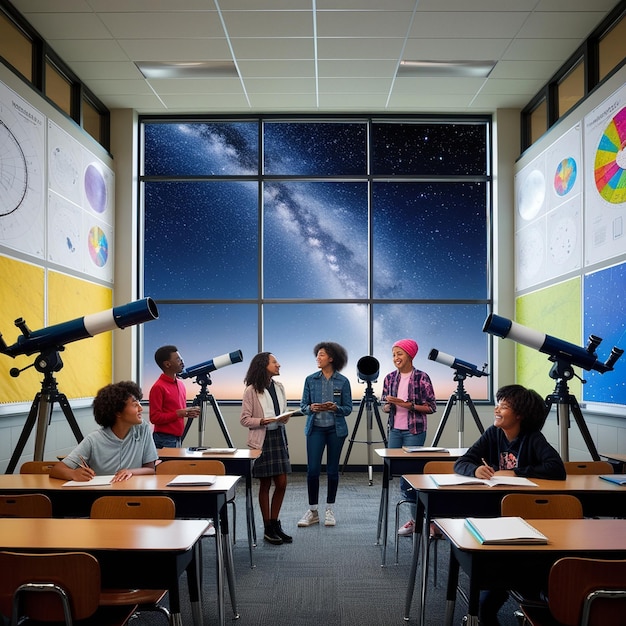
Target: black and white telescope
[54,337]
[202,374]
[463,367]
[206,367]
[559,350]
[564,356]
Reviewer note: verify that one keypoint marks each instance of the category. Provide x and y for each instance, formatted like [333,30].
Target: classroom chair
[583,592]
[56,587]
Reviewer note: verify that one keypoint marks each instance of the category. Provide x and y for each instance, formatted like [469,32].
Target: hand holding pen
[484,470]
[83,471]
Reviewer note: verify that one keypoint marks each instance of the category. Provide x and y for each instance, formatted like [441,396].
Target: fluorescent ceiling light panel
[187,69]
[446,69]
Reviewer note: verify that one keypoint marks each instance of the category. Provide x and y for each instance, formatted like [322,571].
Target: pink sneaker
[407,529]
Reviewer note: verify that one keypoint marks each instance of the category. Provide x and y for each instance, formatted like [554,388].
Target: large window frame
[374,309]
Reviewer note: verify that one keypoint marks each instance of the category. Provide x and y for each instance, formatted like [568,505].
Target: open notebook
[447,480]
[504,530]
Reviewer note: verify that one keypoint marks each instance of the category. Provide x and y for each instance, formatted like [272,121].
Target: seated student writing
[514,445]
[122,447]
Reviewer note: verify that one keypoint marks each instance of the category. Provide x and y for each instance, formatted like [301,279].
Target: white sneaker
[407,529]
[329,518]
[309,518]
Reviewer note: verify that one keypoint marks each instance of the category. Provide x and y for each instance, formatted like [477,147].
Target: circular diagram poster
[22,130]
[605,179]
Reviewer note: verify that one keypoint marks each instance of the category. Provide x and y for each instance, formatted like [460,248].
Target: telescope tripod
[41,412]
[565,402]
[204,399]
[369,403]
[461,397]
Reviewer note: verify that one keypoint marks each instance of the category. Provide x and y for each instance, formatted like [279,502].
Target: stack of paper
[210,451]
[187,480]
[423,449]
[504,530]
[95,481]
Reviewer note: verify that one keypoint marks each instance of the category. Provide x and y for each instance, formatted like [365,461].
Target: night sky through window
[341,230]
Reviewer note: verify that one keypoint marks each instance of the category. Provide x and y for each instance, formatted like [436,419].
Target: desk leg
[424,568]
[453,581]
[383,513]
[230,568]
[219,572]
[250,516]
[194,583]
[412,573]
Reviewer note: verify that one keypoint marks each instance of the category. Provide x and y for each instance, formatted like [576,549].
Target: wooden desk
[509,567]
[396,463]
[618,458]
[191,502]
[597,496]
[238,463]
[149,554]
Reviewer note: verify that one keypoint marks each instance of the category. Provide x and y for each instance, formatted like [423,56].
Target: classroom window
[275,234]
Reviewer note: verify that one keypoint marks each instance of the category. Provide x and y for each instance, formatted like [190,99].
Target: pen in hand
[83,462]
[485,462]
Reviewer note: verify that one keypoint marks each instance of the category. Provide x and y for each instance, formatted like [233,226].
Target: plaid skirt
[274,458]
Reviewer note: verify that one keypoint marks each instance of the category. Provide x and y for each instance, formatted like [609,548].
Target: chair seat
[118,597]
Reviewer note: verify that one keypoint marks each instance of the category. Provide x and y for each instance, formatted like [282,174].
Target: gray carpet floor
[328,575]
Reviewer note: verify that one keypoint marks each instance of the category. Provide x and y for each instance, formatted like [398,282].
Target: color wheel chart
[605,179]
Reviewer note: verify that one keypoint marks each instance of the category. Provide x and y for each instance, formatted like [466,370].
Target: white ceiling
[314,55]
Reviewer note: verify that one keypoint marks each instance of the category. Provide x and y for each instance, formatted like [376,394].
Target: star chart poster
[80,207]
[548,218]
[22,131]
[605,188]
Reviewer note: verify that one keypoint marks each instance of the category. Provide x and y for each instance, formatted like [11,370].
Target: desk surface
[152,483]
[582,483]
[451,454]
[571,535]
[99,534]
[187,454]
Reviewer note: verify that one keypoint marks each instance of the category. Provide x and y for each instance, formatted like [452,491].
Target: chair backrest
[545,506]
[182,466]
[26,505]
[76,573]
[573,579]
[439,467]
[588,467]
[37,467]
[133,507]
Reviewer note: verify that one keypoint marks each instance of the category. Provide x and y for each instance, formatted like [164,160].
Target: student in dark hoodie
[514,445]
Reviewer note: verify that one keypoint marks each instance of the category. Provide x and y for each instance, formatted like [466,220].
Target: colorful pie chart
[565,176]
[610,164]
[98,246]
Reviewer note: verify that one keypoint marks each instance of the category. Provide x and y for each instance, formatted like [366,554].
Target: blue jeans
[316,441]
[165,440]
[397,439]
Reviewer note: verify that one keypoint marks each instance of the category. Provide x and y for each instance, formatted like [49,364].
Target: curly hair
[526,403]
[111,400]
[336,352]
[257,375]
